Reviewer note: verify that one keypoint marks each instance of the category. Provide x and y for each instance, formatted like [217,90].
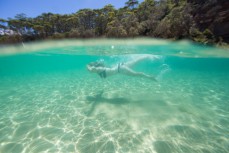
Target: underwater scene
[173,99]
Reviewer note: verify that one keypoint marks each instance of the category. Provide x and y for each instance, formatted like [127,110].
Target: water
[49,102]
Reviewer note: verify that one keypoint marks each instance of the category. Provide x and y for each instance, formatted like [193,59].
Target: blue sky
[33,8]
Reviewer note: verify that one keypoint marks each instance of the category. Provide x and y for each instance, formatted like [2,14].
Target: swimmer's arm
[89,68]
[94,69]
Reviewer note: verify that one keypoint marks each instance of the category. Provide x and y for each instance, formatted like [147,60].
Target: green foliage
[145,9]
[131,25]
[87,33]
[205,37]
[116,29]
[57,36]
[131,4]
[10,39]
[2,23]
[103,16]
[197,35]
[208,34]
[163,18]
[163,29]
[74,33]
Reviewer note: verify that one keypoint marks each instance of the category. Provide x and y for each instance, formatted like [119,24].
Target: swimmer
[121,68]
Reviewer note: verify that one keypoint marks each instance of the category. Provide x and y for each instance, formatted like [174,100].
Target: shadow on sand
[98,99]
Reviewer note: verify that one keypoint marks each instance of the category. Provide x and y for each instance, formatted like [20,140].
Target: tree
[115,29]
[103,16]
[21,17]
[156,18]
[19,24]
[150,13]
[39,30]
[163,29]
[86,18]
[131,25]
[131,4]
[44,24]
[3,23]
[145,9]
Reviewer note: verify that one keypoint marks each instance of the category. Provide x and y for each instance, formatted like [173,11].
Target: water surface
[49,102]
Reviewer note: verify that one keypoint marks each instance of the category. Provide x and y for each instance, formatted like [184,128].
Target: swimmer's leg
[127,71]
[139,59]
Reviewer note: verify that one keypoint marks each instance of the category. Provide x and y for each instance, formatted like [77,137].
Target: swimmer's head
[99,63]
[93,65]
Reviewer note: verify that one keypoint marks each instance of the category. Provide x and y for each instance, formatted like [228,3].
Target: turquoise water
[49,102]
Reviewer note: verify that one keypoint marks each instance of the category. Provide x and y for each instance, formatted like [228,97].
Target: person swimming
[121,68]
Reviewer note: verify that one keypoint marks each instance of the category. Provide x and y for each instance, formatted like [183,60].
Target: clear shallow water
[49,102]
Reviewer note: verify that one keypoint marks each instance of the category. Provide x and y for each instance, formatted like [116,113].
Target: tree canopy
[171,19]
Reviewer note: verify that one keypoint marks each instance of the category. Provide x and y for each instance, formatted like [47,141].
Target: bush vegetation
[171,19]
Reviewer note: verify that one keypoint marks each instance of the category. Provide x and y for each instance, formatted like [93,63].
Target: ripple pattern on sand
[75,112]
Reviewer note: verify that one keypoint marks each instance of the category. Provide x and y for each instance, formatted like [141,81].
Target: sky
[33,8]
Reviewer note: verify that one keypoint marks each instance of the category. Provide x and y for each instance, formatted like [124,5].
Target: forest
[197,20]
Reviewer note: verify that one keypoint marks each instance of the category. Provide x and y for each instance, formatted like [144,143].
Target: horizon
[10,8]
